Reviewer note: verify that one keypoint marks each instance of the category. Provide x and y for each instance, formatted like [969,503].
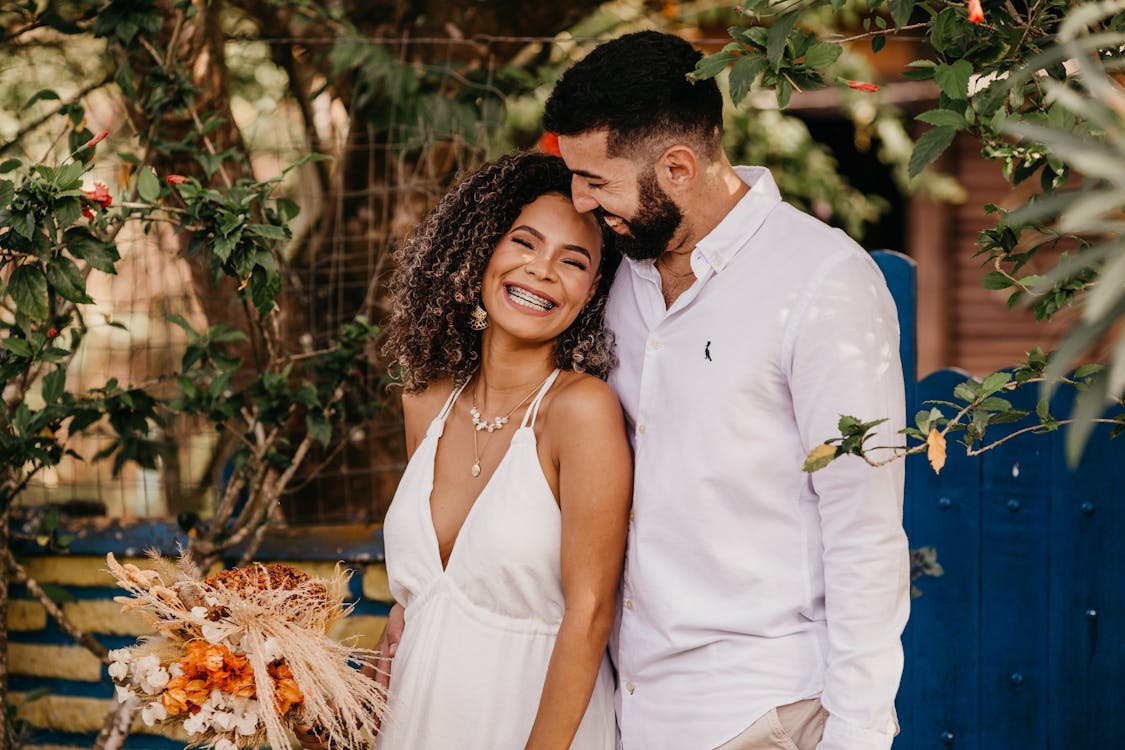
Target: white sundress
[469,671]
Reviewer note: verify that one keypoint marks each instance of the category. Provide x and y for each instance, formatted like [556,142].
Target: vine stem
[880,32]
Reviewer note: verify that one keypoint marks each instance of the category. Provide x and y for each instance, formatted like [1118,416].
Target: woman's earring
[478,318]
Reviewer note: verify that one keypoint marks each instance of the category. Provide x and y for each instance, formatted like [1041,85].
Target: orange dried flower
[183,693]
[176,179]
[863,86]
[288,694]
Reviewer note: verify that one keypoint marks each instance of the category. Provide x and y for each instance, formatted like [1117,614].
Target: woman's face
[543,271]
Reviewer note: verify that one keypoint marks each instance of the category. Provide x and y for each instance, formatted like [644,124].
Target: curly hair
[637,87]
[438,273]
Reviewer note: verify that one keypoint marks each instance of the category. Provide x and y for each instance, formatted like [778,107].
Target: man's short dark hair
[636,86]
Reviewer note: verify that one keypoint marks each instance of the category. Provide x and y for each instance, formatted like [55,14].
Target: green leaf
[942,117]
[967,391]
[53,384]
[954,79]
[7,192]
[995,403]
[784,93]
[743,75]
[65,278]
[42,95]
[270,231]
[819,457]
[182,323]
[712,65]
[148,185]
[18,347]
[8,165]
[822,54]
[929,147]
[995,382]
[85,246]
[320,429]
[878,42]
[778,36]
[1087,370]
[28,287]
[56,593]
[995,280]
[24,224]
[901,11]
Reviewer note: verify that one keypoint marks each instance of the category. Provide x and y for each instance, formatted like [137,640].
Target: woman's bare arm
[595,488]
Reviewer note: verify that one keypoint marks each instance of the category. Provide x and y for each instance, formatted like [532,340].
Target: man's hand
[388,645]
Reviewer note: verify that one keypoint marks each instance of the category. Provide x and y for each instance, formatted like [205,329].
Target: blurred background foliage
[401,98]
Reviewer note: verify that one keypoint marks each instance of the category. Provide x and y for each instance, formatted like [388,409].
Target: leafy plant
[1038,84]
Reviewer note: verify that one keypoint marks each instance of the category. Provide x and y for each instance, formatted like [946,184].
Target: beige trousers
[796,726]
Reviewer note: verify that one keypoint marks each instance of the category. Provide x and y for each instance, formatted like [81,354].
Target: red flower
[88,213]
[976,13]
[549,143]
[96,139]
[862,86]
[52,332]
[99,194]
[176,179]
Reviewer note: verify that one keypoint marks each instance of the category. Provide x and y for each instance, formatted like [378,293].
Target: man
[761,606]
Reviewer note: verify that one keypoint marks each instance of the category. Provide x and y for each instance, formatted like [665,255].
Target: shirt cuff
[840,735]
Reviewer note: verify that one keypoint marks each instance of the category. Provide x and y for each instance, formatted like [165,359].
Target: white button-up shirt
[748,583]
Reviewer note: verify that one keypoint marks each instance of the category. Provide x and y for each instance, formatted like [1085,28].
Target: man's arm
[845,360]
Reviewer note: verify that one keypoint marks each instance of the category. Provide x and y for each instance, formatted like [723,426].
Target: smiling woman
[505,544]
[440,269]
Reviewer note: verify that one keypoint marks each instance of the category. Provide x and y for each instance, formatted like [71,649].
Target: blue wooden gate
[1021,643]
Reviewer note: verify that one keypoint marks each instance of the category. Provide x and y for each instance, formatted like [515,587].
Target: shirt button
[630,687]
[628,604]
[632,516]
[641,428]
[655,344]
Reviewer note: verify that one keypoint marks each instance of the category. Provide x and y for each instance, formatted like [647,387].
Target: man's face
[623,194]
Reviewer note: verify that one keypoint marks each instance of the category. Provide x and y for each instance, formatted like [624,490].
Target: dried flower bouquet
[241,656]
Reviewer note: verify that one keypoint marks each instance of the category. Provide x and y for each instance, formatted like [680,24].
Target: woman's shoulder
[426,403]
[584,398]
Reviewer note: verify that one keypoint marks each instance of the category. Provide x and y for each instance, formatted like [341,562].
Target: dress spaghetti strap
[533,410]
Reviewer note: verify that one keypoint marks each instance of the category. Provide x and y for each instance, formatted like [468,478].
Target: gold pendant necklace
[490,426]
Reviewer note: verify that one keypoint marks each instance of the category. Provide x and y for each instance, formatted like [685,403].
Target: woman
[506,537]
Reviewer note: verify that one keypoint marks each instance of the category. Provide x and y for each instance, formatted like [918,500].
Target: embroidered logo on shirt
[707,351]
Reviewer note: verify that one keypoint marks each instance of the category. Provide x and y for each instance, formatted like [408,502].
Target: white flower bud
[118,670]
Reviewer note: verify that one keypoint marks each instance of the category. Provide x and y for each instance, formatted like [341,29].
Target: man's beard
[656,221]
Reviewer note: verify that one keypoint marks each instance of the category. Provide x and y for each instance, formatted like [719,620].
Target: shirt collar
[735,230]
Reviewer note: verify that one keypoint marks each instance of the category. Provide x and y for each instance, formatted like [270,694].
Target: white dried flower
[247,722]
[154,680]
[153,713]
[225,744]
[123,693]
[198,723]
[214,632]
[199,613]
[273,650]
[122,655]
[118,670]
[223,720]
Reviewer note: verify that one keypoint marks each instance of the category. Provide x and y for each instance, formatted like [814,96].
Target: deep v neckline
[435,433]
[503,465]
